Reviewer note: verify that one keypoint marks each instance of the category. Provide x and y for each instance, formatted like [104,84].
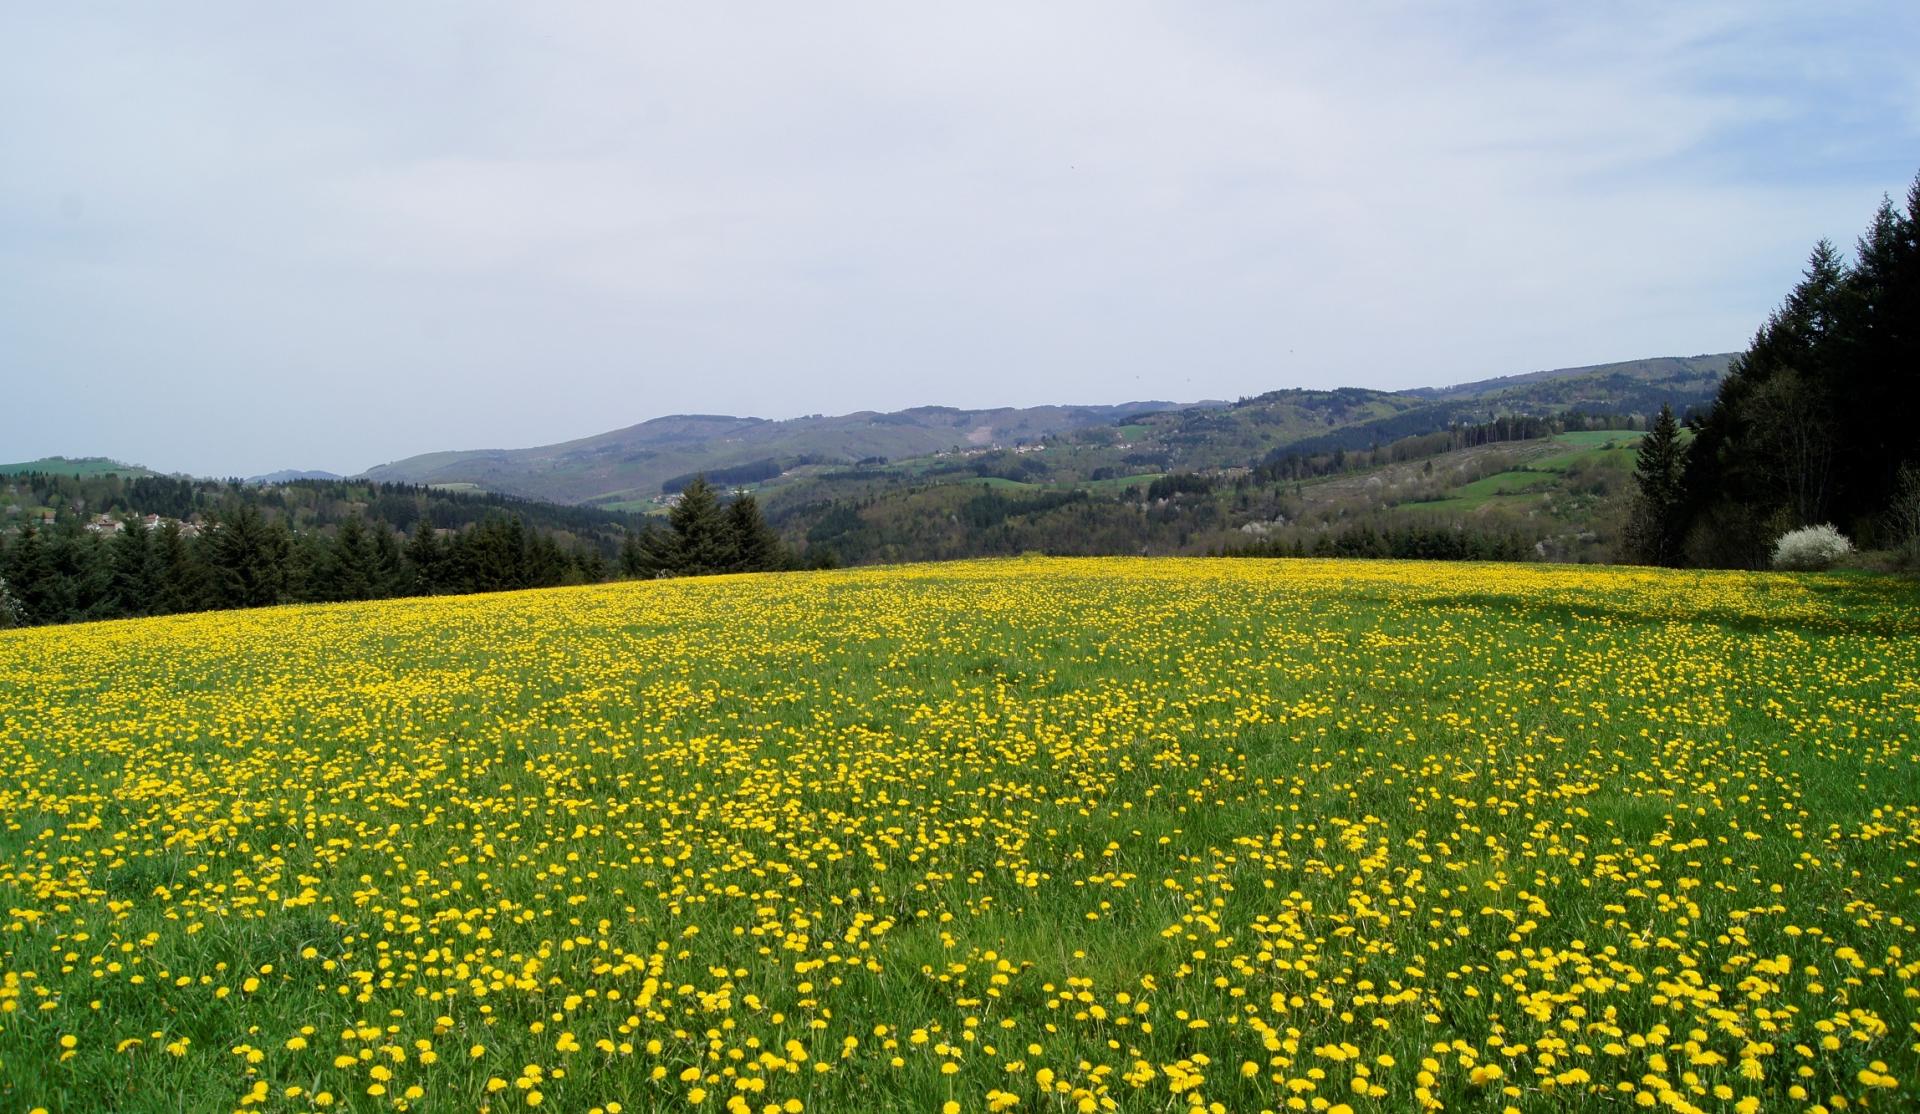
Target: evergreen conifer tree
[1815,420]
[658,545]
[424,556]
[633,556]
[135,572]
[249,558]
[389,564]
[647,552]
[83,572]
[1764,453]
[496,558]
[309,569]
[1655,528]
[350,570]
[547,564]
[180,582]
[590,565]
[756,548]
[702,543]
[31,578]
[455,573]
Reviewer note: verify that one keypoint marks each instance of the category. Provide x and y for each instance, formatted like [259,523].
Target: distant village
[14,517]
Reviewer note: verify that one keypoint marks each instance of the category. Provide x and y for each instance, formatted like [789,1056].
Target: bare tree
[1904,515]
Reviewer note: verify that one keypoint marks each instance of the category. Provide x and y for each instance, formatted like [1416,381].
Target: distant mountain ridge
[633,464]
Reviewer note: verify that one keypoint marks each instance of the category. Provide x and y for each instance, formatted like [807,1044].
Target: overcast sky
[242,237]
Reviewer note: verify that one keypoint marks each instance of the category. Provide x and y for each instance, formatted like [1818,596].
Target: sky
[240,237]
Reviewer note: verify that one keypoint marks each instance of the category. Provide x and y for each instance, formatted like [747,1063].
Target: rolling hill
[628,468]
[75,466]
[633,463]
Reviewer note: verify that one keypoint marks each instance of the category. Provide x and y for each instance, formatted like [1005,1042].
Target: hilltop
[75,466]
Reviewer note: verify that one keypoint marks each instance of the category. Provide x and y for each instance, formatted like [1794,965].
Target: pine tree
[249,558]
[348,570]
[310,571]
[1764,455]
[455,572]
[633,556]
[648,552]
[135,572]
[495,556]
[1655,528]
[1880,385]
[83,572]
[590,565]
[1795,406]
[180,576]
[547,564]
[1815,421]
[756,548]
[1869,453]
[389,564]
[31,580]
[658,546]
[702,543]
[424,557]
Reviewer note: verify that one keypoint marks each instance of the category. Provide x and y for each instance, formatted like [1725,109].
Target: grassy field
[1034,835]
[633,506]
[1498,485]
[1598,438]
[1604,448]
[1545,470]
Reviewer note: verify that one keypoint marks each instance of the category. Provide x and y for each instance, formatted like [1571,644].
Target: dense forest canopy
[305,504]
[1818,421]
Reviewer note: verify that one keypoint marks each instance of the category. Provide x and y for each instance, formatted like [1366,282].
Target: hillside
[633,463]
[628,468]
[1596,383]
[1559,496]
[1521,468]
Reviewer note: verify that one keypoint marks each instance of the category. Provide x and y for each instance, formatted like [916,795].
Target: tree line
[310,503]
[1411,541]
[1817,422]
[247,554]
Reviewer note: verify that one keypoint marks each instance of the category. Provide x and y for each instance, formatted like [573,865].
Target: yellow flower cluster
[1042,835]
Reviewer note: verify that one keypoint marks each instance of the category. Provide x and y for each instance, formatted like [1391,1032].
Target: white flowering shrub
[1810,548]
